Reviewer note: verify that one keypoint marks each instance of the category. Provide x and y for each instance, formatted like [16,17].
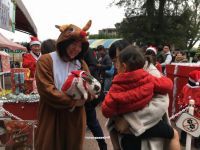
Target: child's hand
[98,65]
[121,125]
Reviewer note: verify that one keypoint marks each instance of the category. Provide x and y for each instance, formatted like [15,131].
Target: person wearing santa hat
[191,91]
[150,55]
[30,59]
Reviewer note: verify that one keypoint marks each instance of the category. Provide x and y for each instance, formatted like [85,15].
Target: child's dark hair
[166,44]
[132,57]
[48,46]
[120,44]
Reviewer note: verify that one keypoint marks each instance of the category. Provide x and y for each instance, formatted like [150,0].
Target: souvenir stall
[178,73]
[18,104]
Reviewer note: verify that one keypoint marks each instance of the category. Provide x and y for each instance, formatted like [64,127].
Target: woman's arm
[162,85]
[146,118]
[46,87]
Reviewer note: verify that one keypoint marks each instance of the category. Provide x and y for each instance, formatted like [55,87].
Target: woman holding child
[138,129]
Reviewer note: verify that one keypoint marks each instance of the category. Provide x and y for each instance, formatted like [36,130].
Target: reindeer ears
[62,28]
[87,26]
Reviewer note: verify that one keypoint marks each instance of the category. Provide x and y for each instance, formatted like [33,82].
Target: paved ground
[91,144]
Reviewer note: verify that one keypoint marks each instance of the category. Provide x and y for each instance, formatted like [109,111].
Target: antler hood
[70,31]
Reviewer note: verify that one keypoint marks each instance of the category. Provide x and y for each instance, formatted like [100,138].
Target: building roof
[23,21]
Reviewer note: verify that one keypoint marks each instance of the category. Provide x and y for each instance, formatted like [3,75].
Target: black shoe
[103,146]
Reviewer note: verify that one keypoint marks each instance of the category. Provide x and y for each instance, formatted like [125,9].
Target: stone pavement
[91,144]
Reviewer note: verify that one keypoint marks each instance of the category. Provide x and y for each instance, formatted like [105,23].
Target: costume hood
[70,32]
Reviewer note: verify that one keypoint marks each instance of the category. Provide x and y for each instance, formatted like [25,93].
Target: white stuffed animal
[80,84]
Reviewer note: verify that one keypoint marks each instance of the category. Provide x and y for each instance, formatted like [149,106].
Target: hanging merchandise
[4,62]
[18,77]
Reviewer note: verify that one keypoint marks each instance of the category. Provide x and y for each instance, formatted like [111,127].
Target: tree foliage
[157,21]
[103,36]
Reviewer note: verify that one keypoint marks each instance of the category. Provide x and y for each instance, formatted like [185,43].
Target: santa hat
[151,48]
[34,41]
[74,85]
[194,78]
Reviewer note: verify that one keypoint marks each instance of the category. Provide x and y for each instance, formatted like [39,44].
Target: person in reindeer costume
[30,59]
[191,91]
[58,127]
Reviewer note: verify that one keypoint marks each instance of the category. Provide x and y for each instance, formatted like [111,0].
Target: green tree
[198,50]
[158,21]
[103,36]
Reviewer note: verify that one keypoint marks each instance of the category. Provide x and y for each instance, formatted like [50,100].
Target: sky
[48,13]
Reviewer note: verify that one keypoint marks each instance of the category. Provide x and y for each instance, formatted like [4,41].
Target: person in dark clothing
[48,46]
[104,64]
[91,118]
[92,63]
[167,58]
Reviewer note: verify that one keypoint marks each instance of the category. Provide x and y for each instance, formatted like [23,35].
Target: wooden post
[189,137]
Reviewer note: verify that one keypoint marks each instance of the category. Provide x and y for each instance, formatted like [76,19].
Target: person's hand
[121,125]
[98,65]
[90,97]
[80,102]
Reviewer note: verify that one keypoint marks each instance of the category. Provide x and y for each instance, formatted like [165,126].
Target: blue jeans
[107,83]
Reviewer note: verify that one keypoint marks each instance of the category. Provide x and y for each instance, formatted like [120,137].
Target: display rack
[2,83]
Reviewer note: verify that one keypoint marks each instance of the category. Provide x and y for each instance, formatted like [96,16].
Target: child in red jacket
[132,89]
[191,91]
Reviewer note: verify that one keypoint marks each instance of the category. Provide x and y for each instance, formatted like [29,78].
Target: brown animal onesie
[59,128]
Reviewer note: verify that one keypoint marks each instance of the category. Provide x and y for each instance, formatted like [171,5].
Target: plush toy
[80,84]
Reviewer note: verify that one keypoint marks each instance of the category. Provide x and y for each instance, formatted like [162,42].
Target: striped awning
[105,42]
[6,43]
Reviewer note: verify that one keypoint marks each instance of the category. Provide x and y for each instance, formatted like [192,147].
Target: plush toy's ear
[87,26]
[62,28]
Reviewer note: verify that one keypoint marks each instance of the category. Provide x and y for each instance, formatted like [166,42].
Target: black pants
[94,126]
[161,130]
[97,101]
